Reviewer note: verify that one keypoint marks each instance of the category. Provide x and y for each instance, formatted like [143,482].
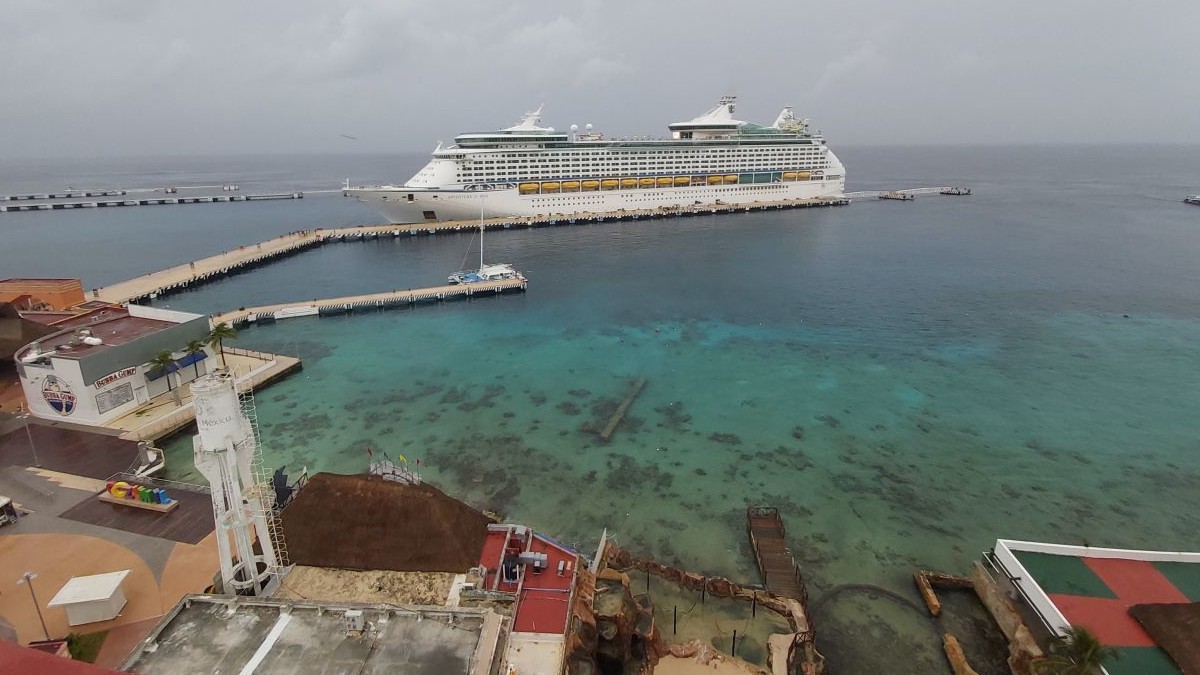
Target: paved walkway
[57,549]
[147,283]
[410,295]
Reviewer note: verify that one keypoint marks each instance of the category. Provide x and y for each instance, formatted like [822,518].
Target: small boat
[496,272]
[959,191]
[898,196]
[1192,199]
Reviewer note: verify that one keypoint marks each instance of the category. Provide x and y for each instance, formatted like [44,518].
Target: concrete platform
[212,634]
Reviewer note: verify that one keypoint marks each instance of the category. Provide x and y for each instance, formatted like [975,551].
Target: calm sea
[906,381]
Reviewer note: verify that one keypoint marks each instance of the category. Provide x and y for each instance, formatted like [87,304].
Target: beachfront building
[99,365]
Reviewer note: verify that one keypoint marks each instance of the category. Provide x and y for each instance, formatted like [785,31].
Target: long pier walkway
[21,203]
[371,302]
[180,277]
[769,541]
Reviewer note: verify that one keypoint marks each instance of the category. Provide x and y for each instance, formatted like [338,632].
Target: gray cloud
[102,77]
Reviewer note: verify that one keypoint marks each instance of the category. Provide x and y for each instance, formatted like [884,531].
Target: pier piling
[619,415]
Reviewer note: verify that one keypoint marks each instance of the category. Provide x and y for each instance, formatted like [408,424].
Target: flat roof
[38,283]
[1095,588]
[543,596]
[208,634]
[118,330]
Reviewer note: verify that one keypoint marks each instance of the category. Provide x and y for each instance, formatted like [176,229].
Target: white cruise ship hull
[408,205]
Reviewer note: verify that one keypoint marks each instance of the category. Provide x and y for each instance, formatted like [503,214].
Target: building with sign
[98,366]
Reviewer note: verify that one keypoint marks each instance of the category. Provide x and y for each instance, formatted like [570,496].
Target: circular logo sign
[59,395]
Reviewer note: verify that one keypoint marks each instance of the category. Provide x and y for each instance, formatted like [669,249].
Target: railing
[159,482]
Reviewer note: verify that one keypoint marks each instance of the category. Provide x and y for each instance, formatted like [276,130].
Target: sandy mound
[367,523]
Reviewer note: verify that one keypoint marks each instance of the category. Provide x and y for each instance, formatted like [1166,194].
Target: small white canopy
[97,597]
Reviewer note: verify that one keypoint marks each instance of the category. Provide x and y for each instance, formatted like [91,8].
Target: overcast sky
[151,77]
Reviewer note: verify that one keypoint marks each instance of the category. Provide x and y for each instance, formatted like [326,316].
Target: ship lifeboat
[646,182]
[664,181]
[682,181]
[731,179]
[528,188]
[551,186]
[629,182]
[570,186]
[790,175]
[803,175]
[610,184]
[716,180]
[590,185]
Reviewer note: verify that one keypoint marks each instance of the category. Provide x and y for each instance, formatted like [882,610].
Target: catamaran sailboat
[485,272]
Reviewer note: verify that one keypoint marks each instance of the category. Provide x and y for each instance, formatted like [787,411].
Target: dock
[21,203]
[768,539]
[374,302]
[907,194]
[70,194]
[182,277]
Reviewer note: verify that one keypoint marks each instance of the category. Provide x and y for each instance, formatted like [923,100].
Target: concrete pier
[19,203]
[182,277]
[367,303]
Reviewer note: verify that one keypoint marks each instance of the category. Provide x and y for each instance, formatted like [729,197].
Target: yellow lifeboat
[629,182]
[681,181]
[570,186]
[551,186]
[528,188]
[716,180]
[803,175]
[609,184]
[590,185]
[664,181]
[646,182]
[731,179]
[790,175]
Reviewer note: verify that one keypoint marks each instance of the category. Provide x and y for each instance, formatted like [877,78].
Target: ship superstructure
[529,170]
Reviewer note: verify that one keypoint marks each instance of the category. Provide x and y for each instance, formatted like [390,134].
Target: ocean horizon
[906,381]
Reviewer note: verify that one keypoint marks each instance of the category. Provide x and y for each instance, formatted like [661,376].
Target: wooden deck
[769,541]
[189,523]
[79,453]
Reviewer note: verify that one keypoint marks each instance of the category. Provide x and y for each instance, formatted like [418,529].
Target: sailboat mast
[481,203]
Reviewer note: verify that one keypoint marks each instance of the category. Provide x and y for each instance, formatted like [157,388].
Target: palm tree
[1076,652]
[218,335]
[161,362]
[194,347]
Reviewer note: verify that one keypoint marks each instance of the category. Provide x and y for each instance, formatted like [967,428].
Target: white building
[97,368]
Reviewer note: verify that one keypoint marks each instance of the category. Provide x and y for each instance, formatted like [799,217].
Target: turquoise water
[906,381]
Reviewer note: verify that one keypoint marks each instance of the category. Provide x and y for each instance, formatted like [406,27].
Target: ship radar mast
[728,101]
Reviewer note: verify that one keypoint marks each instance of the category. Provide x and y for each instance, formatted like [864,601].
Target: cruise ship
[531,170]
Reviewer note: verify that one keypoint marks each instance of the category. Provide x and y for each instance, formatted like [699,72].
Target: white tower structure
[226,452]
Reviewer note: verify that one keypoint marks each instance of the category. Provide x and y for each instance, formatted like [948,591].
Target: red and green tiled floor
[1098,592]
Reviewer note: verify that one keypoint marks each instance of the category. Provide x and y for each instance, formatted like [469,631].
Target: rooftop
[1096,588]
[222,634]
[24,284]
[112,326]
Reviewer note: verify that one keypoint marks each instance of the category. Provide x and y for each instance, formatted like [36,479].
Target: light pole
[27,579]
[33,448]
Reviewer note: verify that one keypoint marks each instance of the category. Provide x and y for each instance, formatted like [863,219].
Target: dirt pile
[367,523]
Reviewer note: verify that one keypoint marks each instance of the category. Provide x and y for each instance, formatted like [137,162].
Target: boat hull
[407,205]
